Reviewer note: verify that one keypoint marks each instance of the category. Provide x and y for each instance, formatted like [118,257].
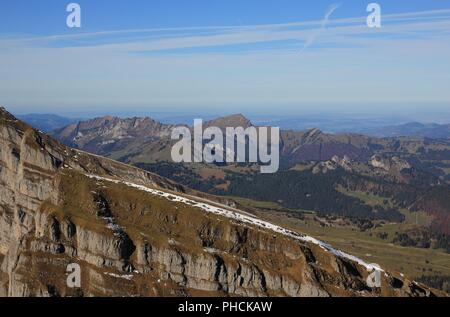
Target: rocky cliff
[108,134]
[136,234]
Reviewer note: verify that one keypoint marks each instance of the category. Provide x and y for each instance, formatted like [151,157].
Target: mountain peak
[314,131]
[313,134]
[235,120]
[4,114]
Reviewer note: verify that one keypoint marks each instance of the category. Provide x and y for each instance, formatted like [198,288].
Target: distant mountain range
[412,129]
[145,140]
[376,127]
[46,122]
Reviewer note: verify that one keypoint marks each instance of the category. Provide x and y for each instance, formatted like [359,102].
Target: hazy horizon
[396,115]
[328,122]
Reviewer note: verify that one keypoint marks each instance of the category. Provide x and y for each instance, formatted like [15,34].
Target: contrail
[323,25]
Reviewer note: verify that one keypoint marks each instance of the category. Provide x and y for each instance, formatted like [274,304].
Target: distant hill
[46,122]
[144,140]
[413,129]
[236,120]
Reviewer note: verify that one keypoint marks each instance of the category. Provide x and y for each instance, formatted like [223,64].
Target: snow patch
[126,277]
[108,142]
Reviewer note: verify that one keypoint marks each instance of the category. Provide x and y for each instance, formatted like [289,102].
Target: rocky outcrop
[103,135]
[128,242]
[333,164]
[387,164]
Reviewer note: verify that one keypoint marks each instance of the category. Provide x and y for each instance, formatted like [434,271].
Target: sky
[268,56]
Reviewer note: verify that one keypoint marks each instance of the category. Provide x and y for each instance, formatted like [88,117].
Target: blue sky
[224,55]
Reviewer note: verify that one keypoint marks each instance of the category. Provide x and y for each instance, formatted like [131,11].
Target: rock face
[105,134]
[130,243]
[388,164]
[333,164]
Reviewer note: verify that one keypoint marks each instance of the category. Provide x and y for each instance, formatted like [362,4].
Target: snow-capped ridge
[244,218]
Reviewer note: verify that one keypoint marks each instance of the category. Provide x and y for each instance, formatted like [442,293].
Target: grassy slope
[413,262]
